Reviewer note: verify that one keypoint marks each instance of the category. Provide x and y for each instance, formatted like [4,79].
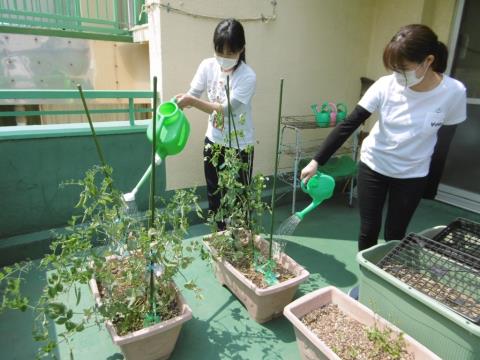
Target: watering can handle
[303,185]
[173,100]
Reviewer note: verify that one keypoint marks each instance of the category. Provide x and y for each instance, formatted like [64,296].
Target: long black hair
[414,43]
[229,34]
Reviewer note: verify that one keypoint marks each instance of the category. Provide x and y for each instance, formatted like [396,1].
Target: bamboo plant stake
[276,169]
[92,129]
[152,200]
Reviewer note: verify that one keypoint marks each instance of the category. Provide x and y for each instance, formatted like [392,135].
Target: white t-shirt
[402,141]
[210,77]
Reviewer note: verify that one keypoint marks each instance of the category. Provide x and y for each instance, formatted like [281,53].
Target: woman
[403,156]
[211,76]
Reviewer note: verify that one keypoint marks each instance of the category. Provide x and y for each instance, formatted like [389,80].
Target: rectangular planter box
[446,333]
[311,347]
[155,342]
[262,304]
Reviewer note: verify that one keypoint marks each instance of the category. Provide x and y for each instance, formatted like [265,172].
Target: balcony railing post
[98,18]
[131,111]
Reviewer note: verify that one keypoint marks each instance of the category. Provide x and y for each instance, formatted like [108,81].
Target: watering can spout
[319,187]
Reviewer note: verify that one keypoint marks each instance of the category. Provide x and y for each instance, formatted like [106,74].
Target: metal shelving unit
[300,139]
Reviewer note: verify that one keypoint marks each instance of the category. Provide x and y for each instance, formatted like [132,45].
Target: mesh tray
[431,268]
[462,235]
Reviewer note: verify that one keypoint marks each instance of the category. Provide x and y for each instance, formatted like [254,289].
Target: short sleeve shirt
[402,141]
[210,78]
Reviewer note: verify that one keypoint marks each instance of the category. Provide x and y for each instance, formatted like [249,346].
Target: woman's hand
[308,171]
[184,100]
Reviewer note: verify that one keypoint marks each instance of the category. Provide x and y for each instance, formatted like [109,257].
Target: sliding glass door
[460,184]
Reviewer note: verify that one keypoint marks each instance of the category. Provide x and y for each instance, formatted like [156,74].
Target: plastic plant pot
[155,342]
[445,332]
[311,347]
[263,304]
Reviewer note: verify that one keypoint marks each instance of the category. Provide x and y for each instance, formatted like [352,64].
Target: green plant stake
[230,123]
[92,129]
[152,317]
[276,169]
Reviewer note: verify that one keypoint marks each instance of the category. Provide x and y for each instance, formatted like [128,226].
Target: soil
[348,338]
[247,268]
[257,278]
[141,302]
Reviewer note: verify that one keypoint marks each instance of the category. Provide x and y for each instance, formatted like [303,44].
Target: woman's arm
[335,139]
[444,138]
[187,100]
[191,99]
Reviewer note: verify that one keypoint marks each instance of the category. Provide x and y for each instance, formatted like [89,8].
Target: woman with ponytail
[402,158]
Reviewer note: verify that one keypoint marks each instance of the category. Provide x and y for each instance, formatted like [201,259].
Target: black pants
[403,198]
[211,176]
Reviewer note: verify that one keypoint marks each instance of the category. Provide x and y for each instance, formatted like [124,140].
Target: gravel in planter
[350,339]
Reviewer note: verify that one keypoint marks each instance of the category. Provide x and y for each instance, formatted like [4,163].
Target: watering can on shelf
[341,112]
[320,187]
[327,115]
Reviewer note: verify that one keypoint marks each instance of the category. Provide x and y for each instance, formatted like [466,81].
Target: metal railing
[101,19]
[71,98]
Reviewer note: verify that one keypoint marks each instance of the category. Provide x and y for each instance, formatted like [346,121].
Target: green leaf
[69,314]
[70,325]
[51,292]
[78,295]
[61,320]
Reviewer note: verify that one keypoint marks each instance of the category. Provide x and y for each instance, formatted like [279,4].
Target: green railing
[92,19]
[10,98]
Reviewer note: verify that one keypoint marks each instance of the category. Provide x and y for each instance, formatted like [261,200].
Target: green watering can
[341,112]
[172,129]
[319,187]
[322,117]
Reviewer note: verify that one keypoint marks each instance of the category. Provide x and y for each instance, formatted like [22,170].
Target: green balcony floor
[324,243]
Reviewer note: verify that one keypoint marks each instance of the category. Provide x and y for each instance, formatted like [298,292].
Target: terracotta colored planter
[155,342]
[262,304]
[312,347]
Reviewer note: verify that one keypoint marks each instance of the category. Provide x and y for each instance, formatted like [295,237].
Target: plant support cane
[94,134]
[269,267]
[152,317]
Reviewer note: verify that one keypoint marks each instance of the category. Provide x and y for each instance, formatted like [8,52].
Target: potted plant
[262,277]
[330,325]
[130,266]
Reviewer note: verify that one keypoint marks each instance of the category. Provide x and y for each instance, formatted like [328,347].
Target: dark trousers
[211,176]
[403,198]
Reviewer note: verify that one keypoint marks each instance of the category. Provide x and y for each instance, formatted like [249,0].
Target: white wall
[320,48]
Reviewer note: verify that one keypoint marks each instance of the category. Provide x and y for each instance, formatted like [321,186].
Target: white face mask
[226,63]
[409,78]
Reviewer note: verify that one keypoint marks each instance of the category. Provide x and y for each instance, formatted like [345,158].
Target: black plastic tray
[439,271]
